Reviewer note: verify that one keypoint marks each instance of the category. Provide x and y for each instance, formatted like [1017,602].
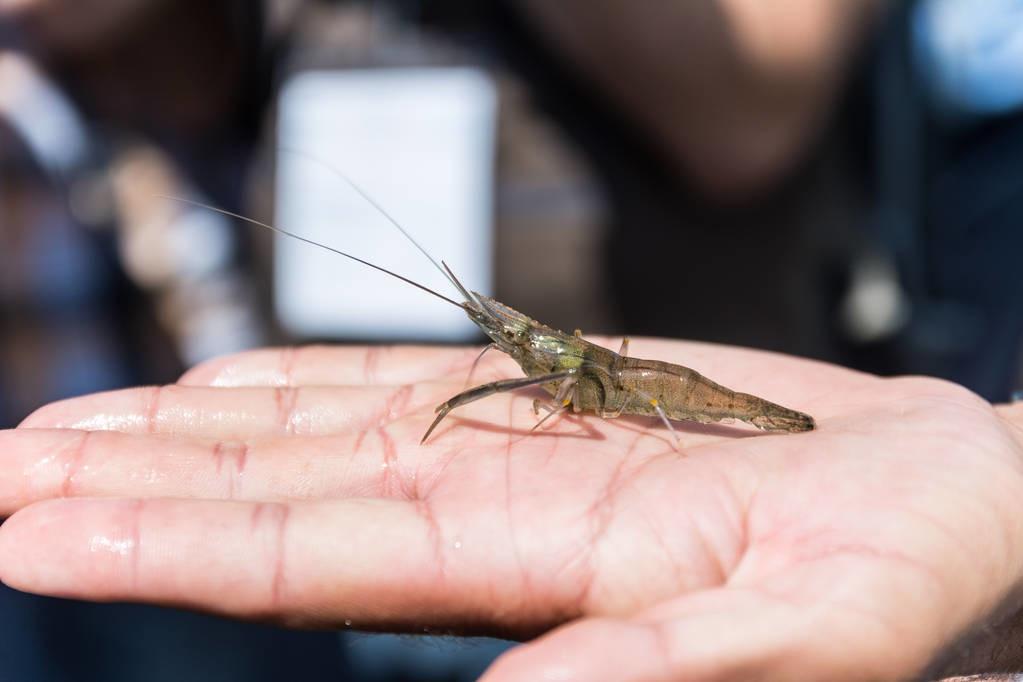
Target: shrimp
[583,376]
[580,375]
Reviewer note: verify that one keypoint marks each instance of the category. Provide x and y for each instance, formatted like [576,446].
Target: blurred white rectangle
[420,142]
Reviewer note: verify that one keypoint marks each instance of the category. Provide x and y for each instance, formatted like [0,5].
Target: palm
[851,552]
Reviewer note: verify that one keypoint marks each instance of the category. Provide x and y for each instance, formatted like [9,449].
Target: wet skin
[291,485]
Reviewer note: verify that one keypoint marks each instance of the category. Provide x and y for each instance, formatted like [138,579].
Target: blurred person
[881,234]
[737,116]
[712,131]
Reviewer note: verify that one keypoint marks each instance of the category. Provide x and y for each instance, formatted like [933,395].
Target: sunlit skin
[291,486]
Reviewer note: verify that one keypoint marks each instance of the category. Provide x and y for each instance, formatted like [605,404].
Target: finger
[365,563]
[712,636]
[236,413]
[590,650]
[43,464]
[784,377]
[250,560]
[336,365]
[247,414]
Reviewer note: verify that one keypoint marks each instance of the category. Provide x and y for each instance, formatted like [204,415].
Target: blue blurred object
[970,55]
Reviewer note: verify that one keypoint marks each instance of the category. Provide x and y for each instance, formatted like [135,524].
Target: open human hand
[290,485]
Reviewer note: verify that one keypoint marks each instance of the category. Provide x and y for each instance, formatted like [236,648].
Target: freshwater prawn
[580,375]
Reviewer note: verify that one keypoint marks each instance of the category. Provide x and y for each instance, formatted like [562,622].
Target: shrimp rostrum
[580,375]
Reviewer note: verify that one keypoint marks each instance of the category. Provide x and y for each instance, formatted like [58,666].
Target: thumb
[711,636]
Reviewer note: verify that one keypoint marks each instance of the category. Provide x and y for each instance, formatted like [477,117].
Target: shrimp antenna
[314,243]
[380,209]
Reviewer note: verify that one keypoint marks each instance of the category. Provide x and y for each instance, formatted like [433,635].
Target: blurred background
[841,181]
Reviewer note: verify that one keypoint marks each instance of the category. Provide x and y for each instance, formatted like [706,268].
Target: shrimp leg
[562,399]
[653,402]
[490,389]
[624,350]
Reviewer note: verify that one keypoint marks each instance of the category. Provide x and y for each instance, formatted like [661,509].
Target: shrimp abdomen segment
[685,394]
